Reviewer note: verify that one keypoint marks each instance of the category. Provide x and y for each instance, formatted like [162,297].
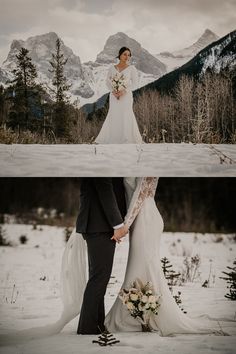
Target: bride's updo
[122,50]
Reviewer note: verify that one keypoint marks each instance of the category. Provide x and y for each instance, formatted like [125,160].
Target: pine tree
[171,277]
[59,81]
[169,273]
[105,339]
[231,280]
[21,86]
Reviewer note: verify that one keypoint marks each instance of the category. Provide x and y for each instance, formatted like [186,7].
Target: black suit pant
[101,251]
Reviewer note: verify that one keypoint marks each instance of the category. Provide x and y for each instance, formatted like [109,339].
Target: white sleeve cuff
[118,226]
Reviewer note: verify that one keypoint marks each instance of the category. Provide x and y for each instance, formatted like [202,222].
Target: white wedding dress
[120,125]
[144,263]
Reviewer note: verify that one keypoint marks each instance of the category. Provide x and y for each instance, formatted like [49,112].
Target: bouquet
[141,302]
[118,82]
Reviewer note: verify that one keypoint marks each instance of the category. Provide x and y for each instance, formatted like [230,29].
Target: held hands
[119,233]
[118,94]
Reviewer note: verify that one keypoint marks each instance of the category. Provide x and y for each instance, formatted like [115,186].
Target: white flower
[130,306]
[149,292]
[125,299]
[133,297]
[153,305]
[152,299]
[144,299]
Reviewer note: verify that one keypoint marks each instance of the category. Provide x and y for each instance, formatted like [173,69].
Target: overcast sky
[85,25]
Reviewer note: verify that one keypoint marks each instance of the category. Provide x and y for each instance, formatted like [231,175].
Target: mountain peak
[142,59]
[209,34]
[44,36]
[48,39]
[120,35]
[204,40]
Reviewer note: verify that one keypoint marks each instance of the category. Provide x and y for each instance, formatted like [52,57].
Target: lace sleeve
[108,79]
[134,78]
[145,188]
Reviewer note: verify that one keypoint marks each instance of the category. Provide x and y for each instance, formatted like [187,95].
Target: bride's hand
[126,228]
[119,233]
[121,93]
[116,94]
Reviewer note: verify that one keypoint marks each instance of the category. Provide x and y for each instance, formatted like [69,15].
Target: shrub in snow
[190,271]
[23,239]
[211,276]
[231,280]
[218,238]
[34,226]
[3,241]
[179,301]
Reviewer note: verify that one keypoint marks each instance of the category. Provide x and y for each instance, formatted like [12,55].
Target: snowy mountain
[220,55]
[178,58]
[216,56]
[40,49]
[88,79]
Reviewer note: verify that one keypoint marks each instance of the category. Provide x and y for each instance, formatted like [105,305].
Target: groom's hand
[119,233]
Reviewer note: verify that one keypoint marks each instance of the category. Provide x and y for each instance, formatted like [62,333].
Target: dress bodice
[129,75]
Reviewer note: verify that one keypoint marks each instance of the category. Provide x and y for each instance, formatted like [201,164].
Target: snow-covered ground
[163,160]
[29,293]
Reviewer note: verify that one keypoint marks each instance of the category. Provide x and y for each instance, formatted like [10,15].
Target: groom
[100,220]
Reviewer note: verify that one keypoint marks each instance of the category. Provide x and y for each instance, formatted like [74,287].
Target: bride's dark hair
[122,50]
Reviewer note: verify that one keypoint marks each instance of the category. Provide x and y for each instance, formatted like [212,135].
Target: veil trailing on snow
[73,279]
[74,276]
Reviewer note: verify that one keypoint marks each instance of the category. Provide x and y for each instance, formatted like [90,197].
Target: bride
[145,229]
[120,126]
[146,226]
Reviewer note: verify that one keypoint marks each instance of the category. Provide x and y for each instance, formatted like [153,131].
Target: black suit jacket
[102,204]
